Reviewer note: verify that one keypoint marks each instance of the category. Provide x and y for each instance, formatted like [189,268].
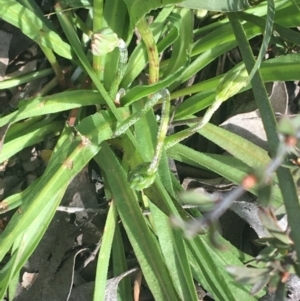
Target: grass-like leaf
[32,26]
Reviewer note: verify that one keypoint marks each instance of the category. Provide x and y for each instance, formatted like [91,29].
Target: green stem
[47,88]
[97,25]
[162,132]
[176,138]
[151,49]
[55,65]
[82,26]
[124,126]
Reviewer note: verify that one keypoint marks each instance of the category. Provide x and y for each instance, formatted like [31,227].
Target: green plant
[168,260]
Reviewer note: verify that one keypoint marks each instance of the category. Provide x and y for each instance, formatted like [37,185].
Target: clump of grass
[167,46]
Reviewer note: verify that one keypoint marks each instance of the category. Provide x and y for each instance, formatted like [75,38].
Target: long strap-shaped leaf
[146,250]
[233,81]
[286,183]
[75,42]
[73,155]
[32,26]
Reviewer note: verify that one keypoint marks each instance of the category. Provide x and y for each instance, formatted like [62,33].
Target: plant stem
[151,49]
[82,26]
[47,87]
[97,25]
[55,65]
[162,132]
